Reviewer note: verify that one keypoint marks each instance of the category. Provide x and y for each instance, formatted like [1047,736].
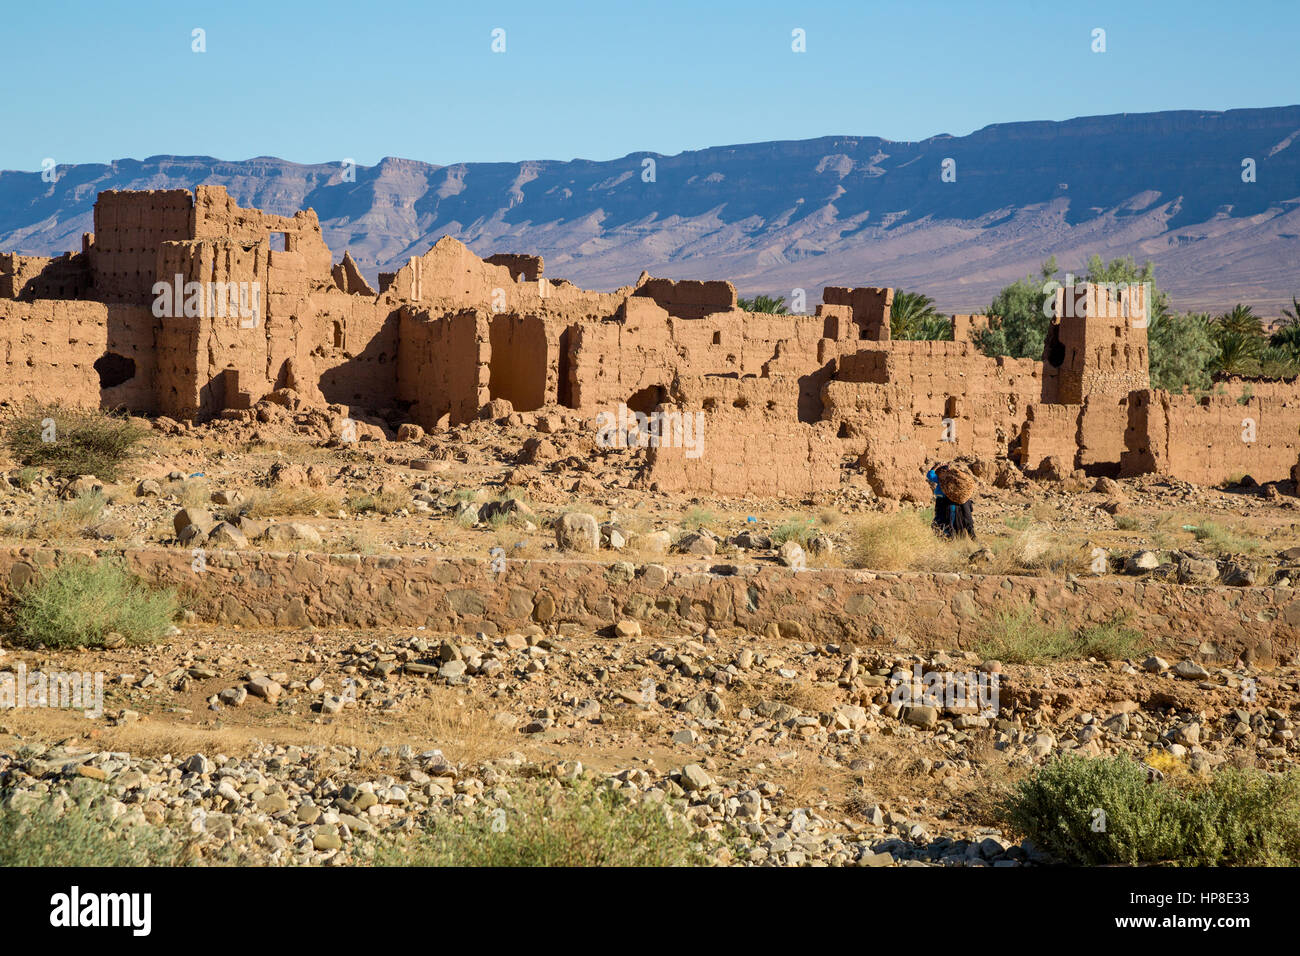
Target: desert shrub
[1223,540]
[81,601]
[353,542]
[902,540]
[81,837]
[1111,640]
[1038,548]
[793,530]
[85,442]
[694,518]
[546,824]
[382,502]
[1019,636]
[66,519]
[285,502]
[1109,810]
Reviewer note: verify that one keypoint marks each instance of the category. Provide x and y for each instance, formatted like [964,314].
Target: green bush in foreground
[1106,810]
[546,824]
[81,601]
[67,442]
[79,837]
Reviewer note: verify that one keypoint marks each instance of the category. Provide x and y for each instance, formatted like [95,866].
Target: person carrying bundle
[942,522]
[958,486]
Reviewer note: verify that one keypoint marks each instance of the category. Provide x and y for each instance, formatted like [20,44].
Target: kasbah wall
[788,401]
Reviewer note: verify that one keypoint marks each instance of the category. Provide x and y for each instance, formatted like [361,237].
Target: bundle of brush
[956,482]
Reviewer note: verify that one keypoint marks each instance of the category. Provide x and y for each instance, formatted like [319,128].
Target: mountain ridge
[781,214]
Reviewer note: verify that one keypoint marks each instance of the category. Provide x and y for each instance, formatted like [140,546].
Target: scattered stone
[578,531]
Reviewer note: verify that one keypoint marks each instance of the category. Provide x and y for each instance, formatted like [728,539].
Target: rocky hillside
[779,215]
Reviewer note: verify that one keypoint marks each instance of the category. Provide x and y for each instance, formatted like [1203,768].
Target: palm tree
[1291,316]
[1287,336]
[1241,319]
[1239,352]
[935,328]
[909,314]
[764,303]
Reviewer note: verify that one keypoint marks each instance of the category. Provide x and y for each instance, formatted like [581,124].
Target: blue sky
[324,81]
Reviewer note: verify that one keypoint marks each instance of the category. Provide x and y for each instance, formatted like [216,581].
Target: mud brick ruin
[789,401]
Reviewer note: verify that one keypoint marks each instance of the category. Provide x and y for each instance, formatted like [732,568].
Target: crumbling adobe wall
[687,298]
[528,268]
[1210,440]
[129,228]
[966,327]
[1051,431]
[347,344]
[1102,432]
[958,401]
[196,350]
[443,367]
[869,306]
[876,422]
[217,216]
[347,276]
[748,451]
[627,360]
[36,277]
[49,349]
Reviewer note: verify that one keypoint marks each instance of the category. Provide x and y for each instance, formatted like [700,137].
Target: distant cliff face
[840,210]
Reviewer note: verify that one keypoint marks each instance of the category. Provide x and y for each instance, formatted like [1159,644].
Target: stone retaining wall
[921,610]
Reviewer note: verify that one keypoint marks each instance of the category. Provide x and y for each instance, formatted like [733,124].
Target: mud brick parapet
[909,610]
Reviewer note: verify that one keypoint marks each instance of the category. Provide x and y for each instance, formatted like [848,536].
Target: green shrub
[83,442]
[81,601]
[1223,540]
[550,825]
[79,837]
[1019,636]
[1112,640]
[793,530]
[696,517]
[1107,810]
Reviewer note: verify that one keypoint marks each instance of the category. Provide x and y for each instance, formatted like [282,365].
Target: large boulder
[291,534]
[196,517]
[578,531]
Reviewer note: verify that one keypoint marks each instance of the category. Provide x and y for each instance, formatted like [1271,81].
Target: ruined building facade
[788,400]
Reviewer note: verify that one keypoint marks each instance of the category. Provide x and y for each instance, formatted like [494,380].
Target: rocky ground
[309,748]
[315,745]
[282,480]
